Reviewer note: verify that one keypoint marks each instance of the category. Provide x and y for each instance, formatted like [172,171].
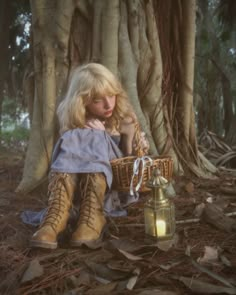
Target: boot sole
[46,245]
[92,244]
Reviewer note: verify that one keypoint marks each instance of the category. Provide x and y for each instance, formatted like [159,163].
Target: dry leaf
[33,271]
[104,272]
[156,292]
[127,245]
[83,279]
[130,256]
[225,261]
[211,274]
[133,280]
[199,286]
[172,263]
[166,245]
[102,289]
[210,256]
[122,265]
[214,215]
[199,210]
[210,200]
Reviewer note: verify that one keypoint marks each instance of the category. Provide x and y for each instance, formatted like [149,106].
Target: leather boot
[91,221]
[61,190]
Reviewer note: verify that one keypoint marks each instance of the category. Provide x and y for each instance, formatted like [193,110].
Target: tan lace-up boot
[61,191]
[91,221]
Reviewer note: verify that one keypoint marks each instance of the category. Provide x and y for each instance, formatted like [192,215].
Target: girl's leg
[91,221]
[61,191]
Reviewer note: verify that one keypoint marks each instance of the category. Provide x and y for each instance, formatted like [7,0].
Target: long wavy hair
[88,82]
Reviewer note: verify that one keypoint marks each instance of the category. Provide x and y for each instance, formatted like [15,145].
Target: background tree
[226,15]
[148,44]
[14,18]
[215,68]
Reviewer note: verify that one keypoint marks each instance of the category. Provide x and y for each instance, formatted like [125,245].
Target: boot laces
[57,203]
[89,202]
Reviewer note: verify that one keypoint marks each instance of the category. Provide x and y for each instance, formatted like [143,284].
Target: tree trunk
[188,140]
[228,103]
[124,36]
[5,21]
[229,117]
[51,22]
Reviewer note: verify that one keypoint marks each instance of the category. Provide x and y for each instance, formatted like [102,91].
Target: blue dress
[85,151]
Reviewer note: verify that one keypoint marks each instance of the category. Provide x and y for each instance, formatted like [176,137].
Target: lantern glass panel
[159,219]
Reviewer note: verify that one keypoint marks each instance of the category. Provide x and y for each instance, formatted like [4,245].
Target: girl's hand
[132,139]
[95,124]
[143,144]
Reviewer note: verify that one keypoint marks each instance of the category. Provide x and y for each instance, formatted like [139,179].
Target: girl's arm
[127,131]
[133,141]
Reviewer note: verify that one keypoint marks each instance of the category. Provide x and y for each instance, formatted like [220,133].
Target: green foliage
[225,12]
[11,113]
[18,134]
[16,139]
[13,134]
[225,36]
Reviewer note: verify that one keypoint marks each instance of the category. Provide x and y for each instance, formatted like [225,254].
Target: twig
[192,220]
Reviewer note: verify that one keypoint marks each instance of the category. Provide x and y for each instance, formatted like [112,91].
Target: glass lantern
[159,211]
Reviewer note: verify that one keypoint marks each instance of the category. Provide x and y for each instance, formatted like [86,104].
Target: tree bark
[6,15]
[124,36]
[186,87]
[51,26]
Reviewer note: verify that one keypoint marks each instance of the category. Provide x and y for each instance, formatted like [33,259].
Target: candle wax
[161,228]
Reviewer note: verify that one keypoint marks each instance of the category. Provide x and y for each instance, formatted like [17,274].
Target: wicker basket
[131,173]
[123,171]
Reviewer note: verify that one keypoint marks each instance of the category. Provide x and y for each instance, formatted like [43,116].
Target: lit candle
[161,228]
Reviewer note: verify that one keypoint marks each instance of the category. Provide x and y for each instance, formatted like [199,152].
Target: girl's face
[102,108]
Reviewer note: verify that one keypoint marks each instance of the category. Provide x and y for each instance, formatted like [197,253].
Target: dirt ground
[201,259]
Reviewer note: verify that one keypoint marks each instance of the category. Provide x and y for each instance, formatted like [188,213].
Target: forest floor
[201,259]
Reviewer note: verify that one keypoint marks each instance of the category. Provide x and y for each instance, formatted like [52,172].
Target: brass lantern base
[163,244]
[159,239]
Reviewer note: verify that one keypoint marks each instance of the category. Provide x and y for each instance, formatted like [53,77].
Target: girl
[93,116]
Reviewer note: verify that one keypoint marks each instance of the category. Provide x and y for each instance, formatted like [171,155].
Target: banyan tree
[148,44]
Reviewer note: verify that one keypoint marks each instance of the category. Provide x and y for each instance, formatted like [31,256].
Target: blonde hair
[89,82]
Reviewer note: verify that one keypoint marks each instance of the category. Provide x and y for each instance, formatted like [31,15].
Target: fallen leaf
[130,256]
[33,271]
[214,215]
[156,292]
[188,251]
[174,262]
[199,286]
[102,289]
[165,245]
[211,273]
[127,245]
[133,280]
[225,261]
[210,200]
[83,279]
[228,190]
[199,210]
[210,256]
[101,270]
[122,265]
